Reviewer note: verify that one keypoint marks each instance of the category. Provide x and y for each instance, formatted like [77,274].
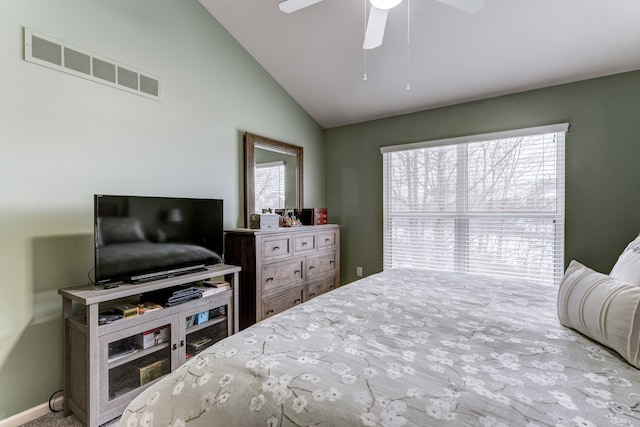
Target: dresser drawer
[281,302]
[276,247]
[283,267]
[304,243]
[318,288]
[327,239]
[321,264]
[280,275]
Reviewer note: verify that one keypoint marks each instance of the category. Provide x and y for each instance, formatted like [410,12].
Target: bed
[403,347]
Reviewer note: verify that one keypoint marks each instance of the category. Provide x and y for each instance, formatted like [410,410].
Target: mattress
[402,347]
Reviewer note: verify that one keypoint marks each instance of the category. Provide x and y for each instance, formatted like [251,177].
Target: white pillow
[627,268]
[603,308]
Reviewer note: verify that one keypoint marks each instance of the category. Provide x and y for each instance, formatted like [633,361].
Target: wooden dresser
[282,267]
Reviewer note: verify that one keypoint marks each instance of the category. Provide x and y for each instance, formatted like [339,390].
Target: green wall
[64,138]
[602,175]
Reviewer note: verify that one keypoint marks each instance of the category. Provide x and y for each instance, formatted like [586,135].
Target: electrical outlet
[359,271]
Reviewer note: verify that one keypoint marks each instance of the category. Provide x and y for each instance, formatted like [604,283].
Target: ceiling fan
[378,14]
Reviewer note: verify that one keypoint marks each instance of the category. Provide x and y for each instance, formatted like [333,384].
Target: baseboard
[31,414]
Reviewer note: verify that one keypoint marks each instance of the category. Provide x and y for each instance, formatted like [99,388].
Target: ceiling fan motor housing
[385,4]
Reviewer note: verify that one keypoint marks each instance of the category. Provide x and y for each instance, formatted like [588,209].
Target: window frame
[462,215]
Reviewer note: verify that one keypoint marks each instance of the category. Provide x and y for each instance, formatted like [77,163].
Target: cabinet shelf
[139,353]
[106,366]
[210,322]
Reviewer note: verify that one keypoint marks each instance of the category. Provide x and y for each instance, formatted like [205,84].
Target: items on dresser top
[313,216]
[264,221]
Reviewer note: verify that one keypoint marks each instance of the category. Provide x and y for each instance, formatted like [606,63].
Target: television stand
[106,366]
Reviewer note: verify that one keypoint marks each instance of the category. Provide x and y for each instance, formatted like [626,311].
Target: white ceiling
[509,46]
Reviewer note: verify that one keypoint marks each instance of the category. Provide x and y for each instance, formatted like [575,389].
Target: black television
[139,238]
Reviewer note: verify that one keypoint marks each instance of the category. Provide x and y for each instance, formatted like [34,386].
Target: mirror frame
[251,142]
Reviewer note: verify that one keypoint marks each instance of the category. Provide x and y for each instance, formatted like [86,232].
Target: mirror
[272,175]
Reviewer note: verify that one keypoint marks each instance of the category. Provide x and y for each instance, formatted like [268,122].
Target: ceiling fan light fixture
[385,4]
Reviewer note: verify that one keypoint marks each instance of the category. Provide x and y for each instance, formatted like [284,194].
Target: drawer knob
[269,279]
[331,262]
[175,346]
[297,272]
[311,267]
[304,243]
[327,240]
[182,343]
[311,295]
[269,312]
[332,287]
[297,301]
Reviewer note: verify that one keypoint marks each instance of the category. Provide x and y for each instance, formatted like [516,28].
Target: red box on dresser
[314,216]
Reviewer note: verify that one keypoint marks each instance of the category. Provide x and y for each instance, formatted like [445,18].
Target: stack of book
[211,287]
[172,296]
[146,307]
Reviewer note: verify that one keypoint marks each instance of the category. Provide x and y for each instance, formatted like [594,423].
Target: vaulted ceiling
[509,46]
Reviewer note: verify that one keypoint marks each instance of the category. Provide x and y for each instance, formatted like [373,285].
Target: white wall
[64,138]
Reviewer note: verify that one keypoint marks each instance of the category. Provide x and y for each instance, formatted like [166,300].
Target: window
[490,204]
[269,185]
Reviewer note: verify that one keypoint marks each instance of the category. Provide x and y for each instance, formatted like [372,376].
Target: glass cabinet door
[204,329]
[137,359]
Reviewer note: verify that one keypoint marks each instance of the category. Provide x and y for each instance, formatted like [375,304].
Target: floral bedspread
[402,347]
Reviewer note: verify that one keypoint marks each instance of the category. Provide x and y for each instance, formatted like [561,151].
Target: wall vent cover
[62,56]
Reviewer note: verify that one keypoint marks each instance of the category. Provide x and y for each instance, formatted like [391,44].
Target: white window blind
[490,204]
[269,185]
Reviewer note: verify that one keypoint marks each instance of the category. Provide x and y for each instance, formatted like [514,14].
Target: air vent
[60,55]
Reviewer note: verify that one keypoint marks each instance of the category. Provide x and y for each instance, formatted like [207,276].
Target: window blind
[270,185]
[490,204]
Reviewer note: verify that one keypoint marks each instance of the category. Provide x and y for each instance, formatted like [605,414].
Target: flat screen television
[139,239]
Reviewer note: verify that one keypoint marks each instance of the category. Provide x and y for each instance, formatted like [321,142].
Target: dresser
[282,267]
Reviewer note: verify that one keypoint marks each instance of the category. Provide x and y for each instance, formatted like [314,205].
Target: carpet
[56,419]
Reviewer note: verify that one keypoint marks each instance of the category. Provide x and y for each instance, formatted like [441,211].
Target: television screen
[139,239]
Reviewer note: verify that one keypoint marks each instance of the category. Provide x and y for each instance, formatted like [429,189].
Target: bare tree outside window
[491,207]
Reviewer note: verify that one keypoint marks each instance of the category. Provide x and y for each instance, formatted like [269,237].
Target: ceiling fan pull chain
[364,76]
[408,45]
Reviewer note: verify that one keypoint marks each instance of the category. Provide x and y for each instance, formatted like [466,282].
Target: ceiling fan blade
[295,5]
[469,6]
[375,28]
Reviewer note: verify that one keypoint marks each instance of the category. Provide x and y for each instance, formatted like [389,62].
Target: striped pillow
[603,308]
